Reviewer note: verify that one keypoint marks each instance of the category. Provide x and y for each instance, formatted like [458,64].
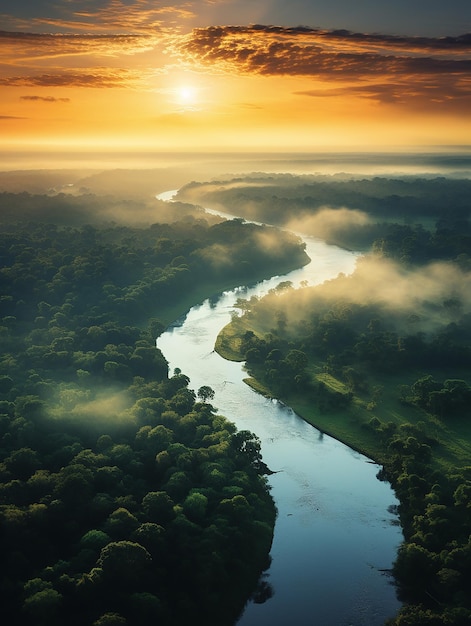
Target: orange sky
[128,79]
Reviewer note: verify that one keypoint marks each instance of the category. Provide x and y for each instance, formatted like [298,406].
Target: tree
[6,383]
[236,509]
[253,355]
[422,389]
[124,562]
[297,361]
[121,523]
[247,444]
[146,609]
[74,486]
[42,606]
[156,327]
[23,463]
[94,540]
[416,568]
[110,619]
[195,506]
[182,402]
[205,393]
[151,536]
[275,355]
[158,507]
[117,371]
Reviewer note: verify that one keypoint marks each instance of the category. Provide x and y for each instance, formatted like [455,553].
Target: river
[335,535]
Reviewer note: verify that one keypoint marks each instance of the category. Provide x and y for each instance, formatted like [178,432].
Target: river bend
[335,535]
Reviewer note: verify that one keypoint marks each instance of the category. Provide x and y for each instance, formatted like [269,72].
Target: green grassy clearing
[381,400]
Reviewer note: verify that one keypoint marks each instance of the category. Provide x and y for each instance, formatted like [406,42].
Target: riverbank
[323,490]
[352,425]
[376,412]
[212,289]
[424,457]
[343,426]
[314,418]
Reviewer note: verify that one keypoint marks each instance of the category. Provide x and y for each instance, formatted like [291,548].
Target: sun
[186,95]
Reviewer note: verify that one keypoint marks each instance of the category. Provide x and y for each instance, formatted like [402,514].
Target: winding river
[335,536]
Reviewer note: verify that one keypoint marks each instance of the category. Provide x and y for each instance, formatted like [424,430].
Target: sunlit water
[334,537]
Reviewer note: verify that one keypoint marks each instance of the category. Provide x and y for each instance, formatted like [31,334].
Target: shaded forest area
[427,216]
[124,498]
[381,359]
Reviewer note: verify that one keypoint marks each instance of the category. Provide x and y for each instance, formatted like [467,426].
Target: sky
[222,75]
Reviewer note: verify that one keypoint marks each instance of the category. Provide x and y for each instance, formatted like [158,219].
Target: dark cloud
[137,16]
[27,44]
[420,17]
[44,99]
[102,78]
[12,117]
[383,68]
[446,93]
[419,43]
[273,50]
[30,52]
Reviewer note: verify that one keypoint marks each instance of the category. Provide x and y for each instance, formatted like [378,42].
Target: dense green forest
[352,212]
[381,359]
[125,498]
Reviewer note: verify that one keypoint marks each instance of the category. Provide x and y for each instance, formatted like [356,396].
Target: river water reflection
[334,535]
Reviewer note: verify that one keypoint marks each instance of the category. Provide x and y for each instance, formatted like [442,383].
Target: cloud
[299,51]
[139,16]
[450,92]
[20,46]
[79,60]
[97,78]
[379,67]
[142,15]
[12,117]
[385,69]
[44,99]
[250,106]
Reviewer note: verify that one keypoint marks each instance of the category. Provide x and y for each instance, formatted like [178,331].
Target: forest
[351,212]
[125,498]
[381,360]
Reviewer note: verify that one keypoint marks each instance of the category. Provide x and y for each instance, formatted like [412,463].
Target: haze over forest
[95,266]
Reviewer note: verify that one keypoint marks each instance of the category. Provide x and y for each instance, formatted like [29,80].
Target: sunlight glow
[186,94]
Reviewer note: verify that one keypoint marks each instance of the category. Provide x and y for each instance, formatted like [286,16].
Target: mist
[330,224]
[423,292]
[108,406]
[200,165]
[90,407]
[422,299]
[67,209]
